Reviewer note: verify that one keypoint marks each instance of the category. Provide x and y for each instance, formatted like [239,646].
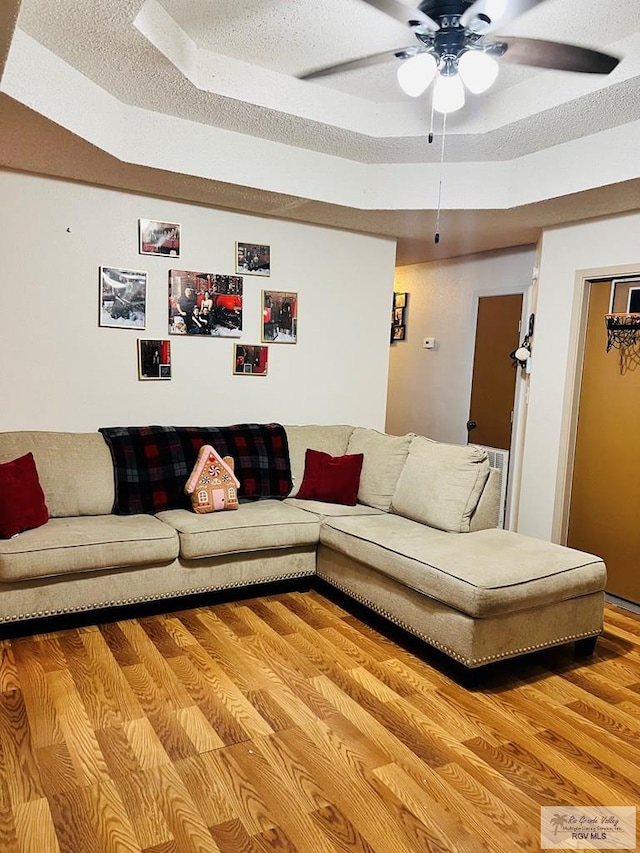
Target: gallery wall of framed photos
[82,374]
[200,304]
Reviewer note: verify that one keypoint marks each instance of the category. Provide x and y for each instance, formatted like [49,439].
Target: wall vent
[499,459]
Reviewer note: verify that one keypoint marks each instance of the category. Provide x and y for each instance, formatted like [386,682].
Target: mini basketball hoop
[623,334]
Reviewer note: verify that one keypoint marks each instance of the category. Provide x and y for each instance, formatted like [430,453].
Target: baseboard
[631,606]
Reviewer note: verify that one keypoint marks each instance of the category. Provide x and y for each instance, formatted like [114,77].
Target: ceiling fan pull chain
[431,122]
[436,238]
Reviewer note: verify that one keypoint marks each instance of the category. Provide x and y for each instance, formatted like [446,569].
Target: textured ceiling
[230,65]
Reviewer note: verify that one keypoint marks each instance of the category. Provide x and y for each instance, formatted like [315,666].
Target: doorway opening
[493,397]
[603,514]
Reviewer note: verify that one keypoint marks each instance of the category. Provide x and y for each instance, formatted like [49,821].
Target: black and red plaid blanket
[153,463]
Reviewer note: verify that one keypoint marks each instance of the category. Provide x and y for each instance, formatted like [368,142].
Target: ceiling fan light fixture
[448,93]
[495,9]
[478,70]
[415,74]
[480,25]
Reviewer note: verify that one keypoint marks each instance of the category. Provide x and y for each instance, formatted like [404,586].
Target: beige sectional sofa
[420,547]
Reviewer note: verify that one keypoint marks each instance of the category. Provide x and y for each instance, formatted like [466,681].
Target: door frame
[575,362]
[520,394]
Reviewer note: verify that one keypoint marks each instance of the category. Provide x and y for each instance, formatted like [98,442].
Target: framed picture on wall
[253,259]
[250,359]
[154,359]
[123,298]
[398,317]
[205,304]
[279,317]
[159,238]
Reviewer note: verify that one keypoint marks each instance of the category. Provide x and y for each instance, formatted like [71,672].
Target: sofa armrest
[487,512]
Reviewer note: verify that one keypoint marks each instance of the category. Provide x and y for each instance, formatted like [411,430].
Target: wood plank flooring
[286,724]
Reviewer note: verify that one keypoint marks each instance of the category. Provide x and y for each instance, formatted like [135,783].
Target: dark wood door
[494,377]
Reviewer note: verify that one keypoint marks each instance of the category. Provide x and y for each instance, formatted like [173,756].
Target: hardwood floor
[286,724]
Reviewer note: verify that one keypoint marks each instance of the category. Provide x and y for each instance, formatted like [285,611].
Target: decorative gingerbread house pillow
[212,484]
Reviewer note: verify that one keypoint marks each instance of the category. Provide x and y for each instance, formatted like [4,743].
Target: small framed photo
[123,298]
[206,304]
[250,359]
[253,259]
[154,359]
[279,317]
[159,238]
[398,317]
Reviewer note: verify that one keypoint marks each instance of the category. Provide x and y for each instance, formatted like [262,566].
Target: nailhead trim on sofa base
[469,662]
[103,605]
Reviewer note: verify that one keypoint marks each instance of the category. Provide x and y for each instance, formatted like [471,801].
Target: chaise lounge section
[419,547]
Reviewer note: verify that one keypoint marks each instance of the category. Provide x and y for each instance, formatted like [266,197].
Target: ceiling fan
[457,42]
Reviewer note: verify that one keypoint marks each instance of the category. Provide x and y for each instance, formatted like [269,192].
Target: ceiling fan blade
[404,13]
[551,54]
[364,62]
[499,12]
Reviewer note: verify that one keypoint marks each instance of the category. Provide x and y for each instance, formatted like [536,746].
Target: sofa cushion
[253,527]
[322,508]
[440,484]
[384,456]
[75,469]
[87,543]
[330,439]
[482,574]
[334,479]
[22,505]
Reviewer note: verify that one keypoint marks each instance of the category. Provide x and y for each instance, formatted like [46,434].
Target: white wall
[429,390]
[60,370]
[600,244]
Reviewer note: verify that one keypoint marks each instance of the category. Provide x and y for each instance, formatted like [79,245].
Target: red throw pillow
[22,504]
[334,479]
